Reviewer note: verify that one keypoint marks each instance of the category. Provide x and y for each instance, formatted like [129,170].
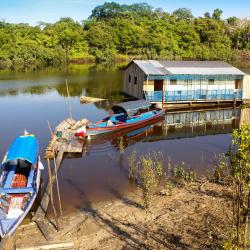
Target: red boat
[126,115]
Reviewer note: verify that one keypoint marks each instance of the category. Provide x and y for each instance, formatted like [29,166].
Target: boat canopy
[131,107]
[24,148]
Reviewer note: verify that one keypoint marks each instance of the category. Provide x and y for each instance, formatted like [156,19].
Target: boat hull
[133,125]
[12,228]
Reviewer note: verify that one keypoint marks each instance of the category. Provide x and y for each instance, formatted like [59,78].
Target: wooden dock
[62,142]
[63,139]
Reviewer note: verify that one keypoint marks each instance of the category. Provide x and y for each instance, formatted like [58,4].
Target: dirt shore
[191,218]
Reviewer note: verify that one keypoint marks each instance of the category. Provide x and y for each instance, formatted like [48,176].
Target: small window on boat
[129,78]
[173,82]
[211,81]
[135,80]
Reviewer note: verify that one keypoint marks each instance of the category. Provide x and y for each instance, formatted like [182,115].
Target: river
[29,99]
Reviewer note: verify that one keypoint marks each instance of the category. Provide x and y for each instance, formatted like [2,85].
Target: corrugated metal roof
[132,106]
[152,67]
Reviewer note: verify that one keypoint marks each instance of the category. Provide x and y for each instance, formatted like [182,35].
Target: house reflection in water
[184,124]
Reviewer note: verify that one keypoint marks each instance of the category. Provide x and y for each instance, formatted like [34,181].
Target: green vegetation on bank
[123,31]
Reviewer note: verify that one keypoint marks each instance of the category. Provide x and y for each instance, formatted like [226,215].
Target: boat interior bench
[9,178]
[17,190]
[30,178]
[11,174]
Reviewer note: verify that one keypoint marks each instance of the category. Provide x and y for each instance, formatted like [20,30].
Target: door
[158,89]
[158,85]
[236,84]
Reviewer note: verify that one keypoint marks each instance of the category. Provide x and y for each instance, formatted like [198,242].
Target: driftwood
[55,245]
[88,99]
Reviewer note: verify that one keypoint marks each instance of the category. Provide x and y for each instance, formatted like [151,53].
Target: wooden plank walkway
[57,146]
[42,208]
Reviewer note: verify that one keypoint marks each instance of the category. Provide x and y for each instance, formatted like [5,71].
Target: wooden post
[57,186]
[55,173]
[70,109]
[163,93]
[51,194]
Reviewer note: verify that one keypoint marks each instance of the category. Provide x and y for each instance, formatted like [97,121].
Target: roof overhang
[204,68]
[132,106]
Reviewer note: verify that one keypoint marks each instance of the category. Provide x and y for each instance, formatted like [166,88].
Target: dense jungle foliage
[115,31]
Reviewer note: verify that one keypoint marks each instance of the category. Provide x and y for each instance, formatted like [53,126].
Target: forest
[122,32]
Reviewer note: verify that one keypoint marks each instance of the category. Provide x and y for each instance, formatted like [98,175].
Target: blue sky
[32,11]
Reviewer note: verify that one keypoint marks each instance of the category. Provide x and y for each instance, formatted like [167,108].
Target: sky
[33,11]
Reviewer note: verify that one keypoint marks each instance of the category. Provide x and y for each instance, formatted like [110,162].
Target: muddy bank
[191,218]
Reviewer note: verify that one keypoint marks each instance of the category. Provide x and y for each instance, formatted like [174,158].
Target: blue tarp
[25,148]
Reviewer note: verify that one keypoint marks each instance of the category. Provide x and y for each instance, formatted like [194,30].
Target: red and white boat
[124,116]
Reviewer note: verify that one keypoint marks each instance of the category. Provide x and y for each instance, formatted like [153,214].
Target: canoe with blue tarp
[127,115]
[23,147]
[20,174]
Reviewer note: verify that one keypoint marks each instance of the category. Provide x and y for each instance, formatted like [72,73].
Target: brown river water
[29,99]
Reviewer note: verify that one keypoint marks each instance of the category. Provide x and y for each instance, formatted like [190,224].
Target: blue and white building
[184,81]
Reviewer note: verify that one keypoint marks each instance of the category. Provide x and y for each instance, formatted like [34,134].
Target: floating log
[88,99]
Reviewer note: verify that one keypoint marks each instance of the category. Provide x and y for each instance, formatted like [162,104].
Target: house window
[135,80]
[173,82]
[210,81]
[129,78]
[188,81]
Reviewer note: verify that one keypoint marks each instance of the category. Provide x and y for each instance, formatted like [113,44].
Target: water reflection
[87,79]
[181,124]
[194,137]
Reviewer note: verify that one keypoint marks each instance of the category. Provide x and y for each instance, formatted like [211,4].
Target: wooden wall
[194,85]
[131,88]
[246,87]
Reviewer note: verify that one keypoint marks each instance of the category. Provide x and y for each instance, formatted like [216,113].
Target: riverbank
[193,217]
[241,57]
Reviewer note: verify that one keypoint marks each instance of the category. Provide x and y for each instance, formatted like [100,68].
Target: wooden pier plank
[44,230]
[56,148]
[42,208]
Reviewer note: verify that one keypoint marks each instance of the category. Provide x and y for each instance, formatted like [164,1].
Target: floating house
[184,81]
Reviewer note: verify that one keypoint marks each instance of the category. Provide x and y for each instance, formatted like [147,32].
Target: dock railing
[194,95]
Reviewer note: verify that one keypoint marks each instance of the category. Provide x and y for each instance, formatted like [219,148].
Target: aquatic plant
[183,174]
[133,165]
[239,175]
[167,188]
[121,146]
[148,179]
[221,171]
[147,172]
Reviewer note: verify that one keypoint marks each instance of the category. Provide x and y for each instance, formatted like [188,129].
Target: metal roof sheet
[206,71]
[153,67]
[132,106]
